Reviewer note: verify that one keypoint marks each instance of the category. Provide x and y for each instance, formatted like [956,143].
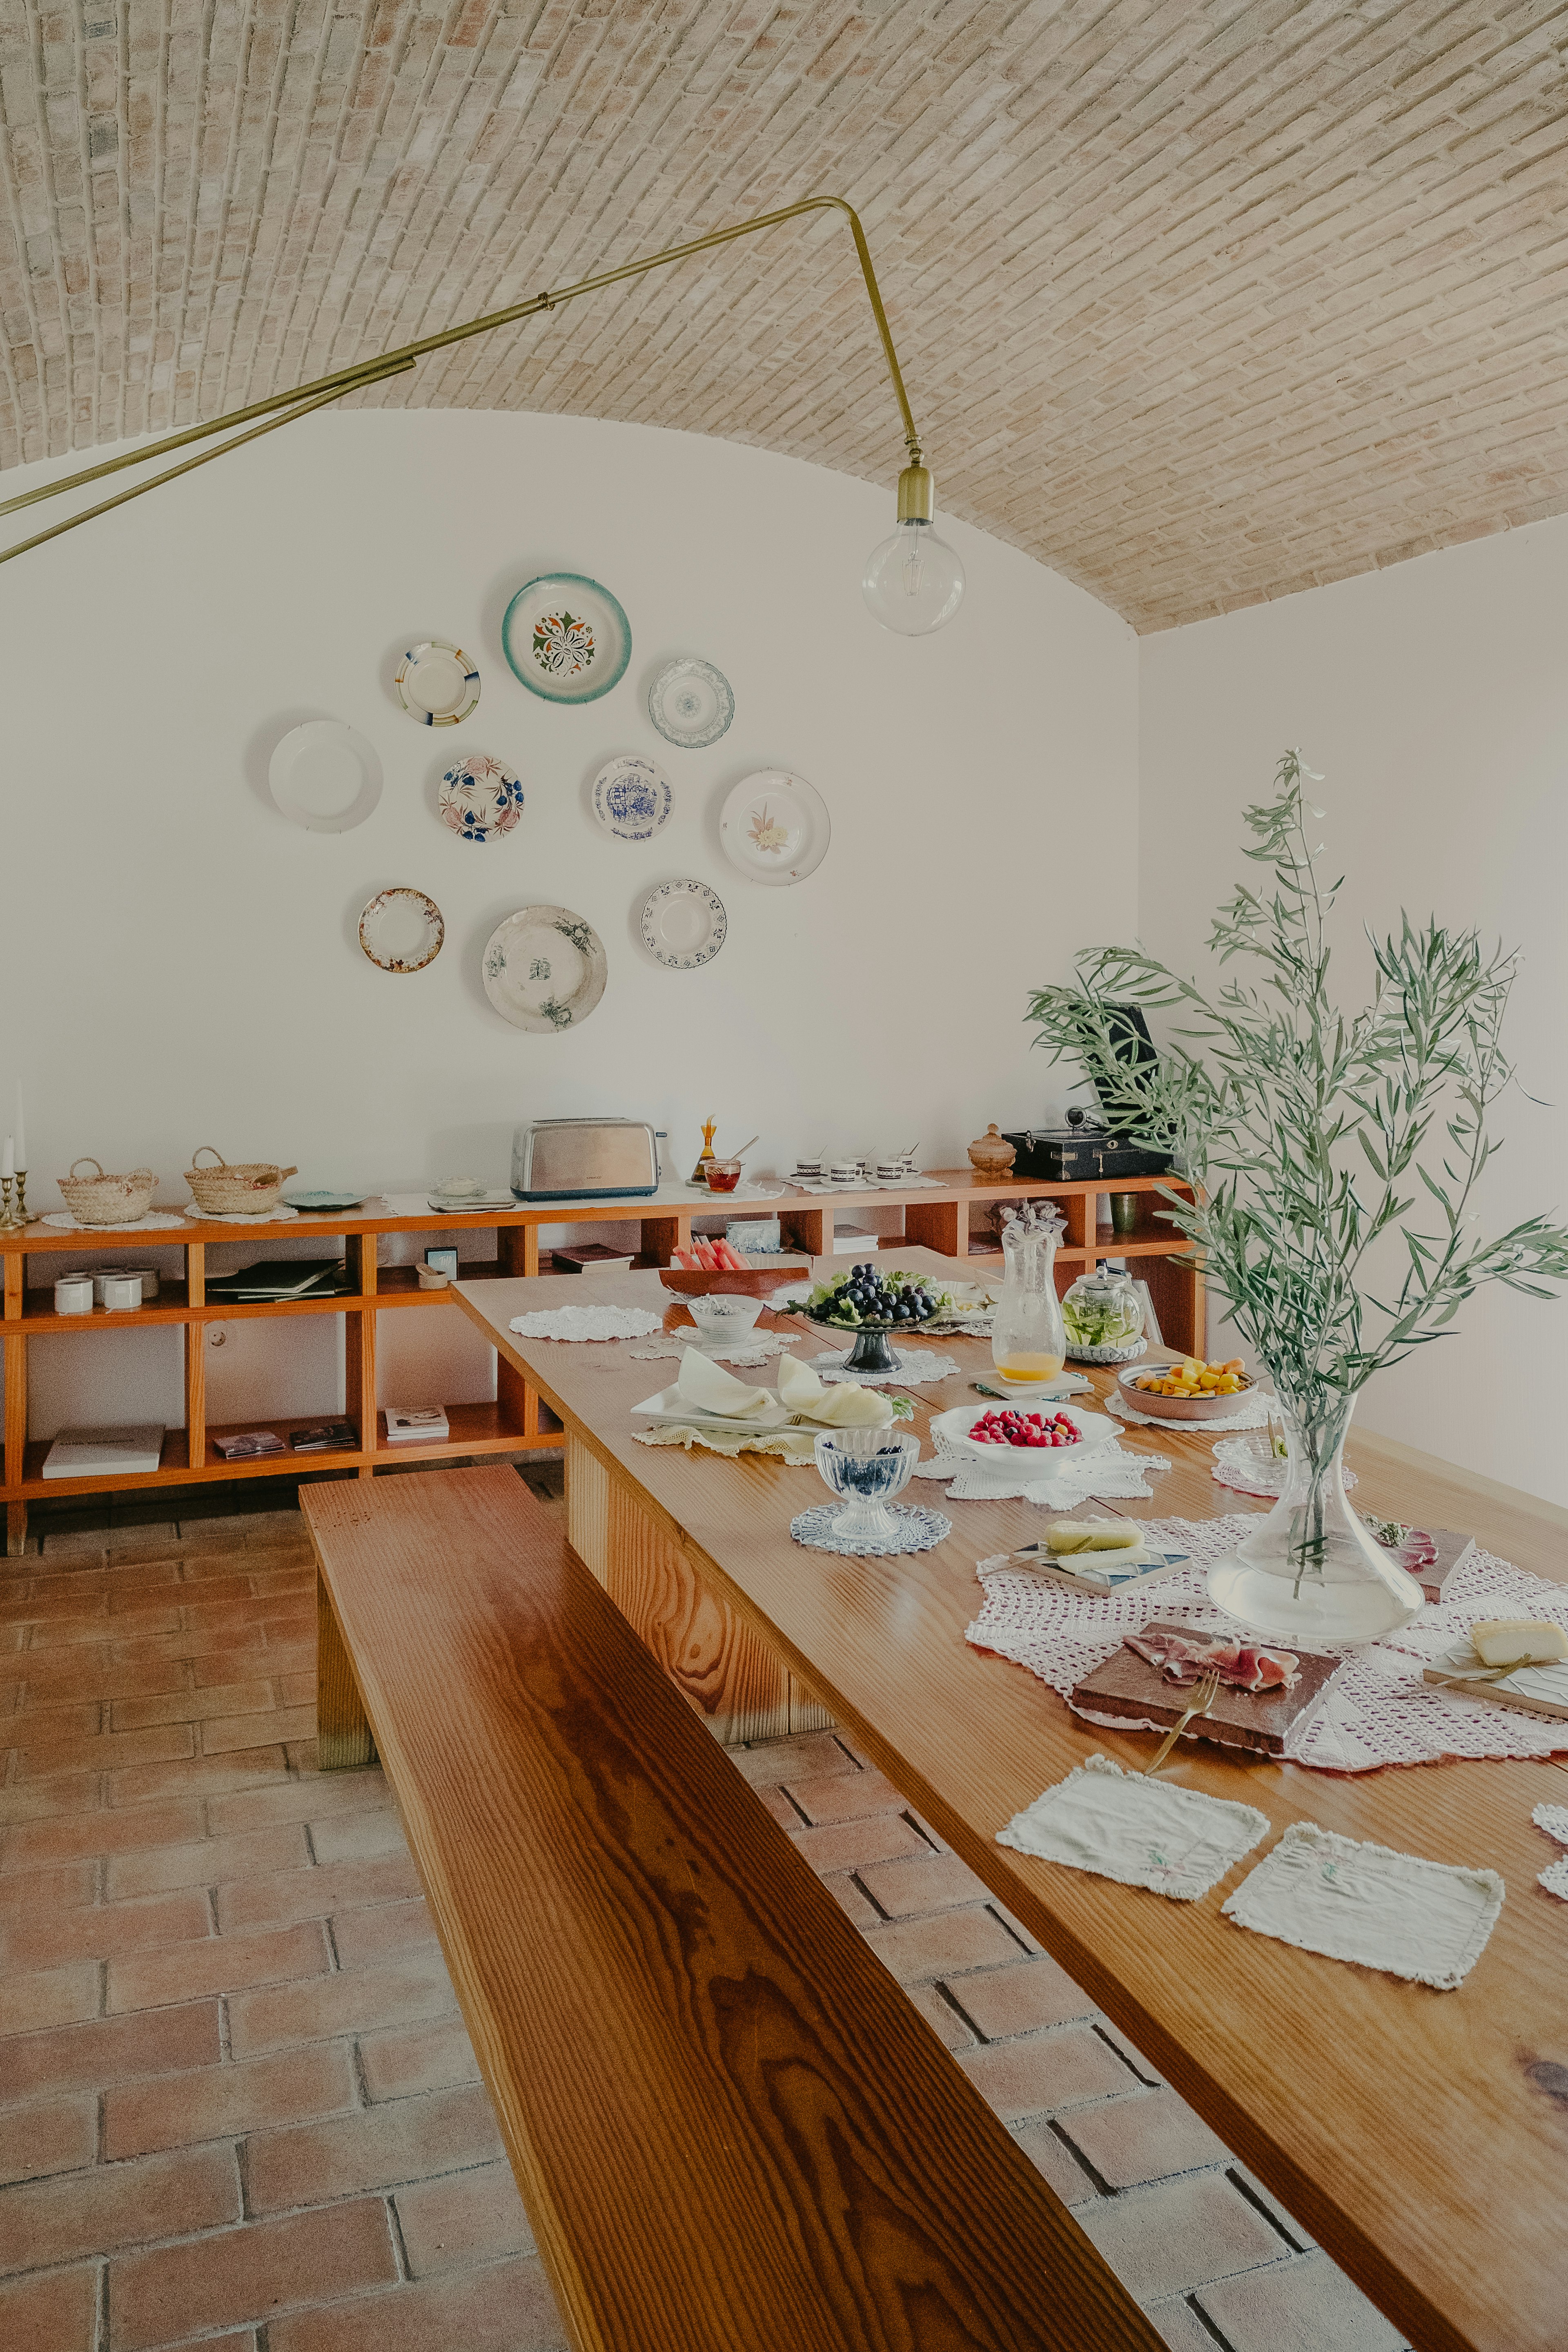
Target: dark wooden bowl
[755,1282]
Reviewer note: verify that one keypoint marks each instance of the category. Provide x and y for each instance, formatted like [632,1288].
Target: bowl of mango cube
[1188,1390]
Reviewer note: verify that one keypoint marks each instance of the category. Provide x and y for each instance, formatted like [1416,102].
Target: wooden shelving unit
[946,1219]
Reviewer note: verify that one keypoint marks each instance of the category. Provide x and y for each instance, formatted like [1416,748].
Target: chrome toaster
[584,1158]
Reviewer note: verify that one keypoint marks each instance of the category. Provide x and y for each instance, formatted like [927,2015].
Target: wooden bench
[730,2128]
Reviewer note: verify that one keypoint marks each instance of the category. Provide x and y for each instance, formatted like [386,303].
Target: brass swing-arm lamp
[913,580]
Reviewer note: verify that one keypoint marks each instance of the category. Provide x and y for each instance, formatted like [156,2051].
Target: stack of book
[105,1453]
[282,1277]
[326,1437]
[580,1257]
[245,1444]
[415,1425]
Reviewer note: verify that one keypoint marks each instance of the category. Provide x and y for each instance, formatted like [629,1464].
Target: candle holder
[11,1217]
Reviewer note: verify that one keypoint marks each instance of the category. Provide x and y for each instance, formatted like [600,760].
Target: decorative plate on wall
[566,637]
[632,798]
[683,925]
[401,931]
[775,827]
[325,775]
[480,800]
[690,703]
[437,683]
[544,968]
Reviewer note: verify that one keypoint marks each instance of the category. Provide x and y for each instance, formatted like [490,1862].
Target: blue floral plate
[632,798]
[566,638]
[480,800]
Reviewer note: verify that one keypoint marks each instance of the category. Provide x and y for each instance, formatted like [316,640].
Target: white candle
[21,1133]
[8,1165]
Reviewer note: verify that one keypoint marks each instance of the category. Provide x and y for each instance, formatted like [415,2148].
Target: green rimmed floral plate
[566,638]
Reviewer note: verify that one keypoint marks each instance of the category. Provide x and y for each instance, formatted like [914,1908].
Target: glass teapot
[1103,1313]
[1028,1345]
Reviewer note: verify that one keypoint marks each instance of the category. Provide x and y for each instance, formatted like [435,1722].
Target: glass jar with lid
[1102,1316]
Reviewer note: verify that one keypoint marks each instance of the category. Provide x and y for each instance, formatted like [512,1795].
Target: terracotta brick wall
[1198,305]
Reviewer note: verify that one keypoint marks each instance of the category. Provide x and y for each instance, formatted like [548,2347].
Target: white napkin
[1140,1832]
[708,1388]
[1554,1820]
[1426,1921]
[848,1406]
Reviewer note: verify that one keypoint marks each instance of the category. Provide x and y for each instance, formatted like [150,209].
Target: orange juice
[1031,1369]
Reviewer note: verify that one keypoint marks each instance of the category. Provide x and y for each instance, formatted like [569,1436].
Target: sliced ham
[1241,1664]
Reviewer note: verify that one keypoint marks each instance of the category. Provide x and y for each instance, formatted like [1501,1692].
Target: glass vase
[1310,1571]
[1029,1342]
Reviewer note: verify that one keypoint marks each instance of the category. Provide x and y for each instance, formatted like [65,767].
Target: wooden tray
[755,1282]
[1126,1685]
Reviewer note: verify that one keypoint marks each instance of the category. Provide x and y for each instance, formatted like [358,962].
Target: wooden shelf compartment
[171,1305]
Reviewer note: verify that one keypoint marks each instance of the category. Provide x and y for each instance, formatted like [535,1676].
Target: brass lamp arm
[305,398]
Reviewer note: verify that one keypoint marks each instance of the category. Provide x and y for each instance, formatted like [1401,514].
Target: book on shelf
[245,1444]
[852,1241]
[280,1277]
[579,1256]
[125,1451]
[415,1425]
[325,1437]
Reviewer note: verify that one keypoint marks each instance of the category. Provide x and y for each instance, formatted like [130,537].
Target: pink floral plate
[480,800]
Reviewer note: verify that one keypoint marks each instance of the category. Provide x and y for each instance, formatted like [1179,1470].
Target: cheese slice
[1519,1640]
[1068,1536]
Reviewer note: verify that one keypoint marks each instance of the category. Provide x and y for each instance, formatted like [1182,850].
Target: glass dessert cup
[1310,1570]
[867,1467]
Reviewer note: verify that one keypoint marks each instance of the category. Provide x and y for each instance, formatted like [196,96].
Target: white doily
[280,1216]
[873,1184]
[586,1323]
[916,1365]
[1554,1820]
[755,1348]
[1377,1710]
[1236,1465]
[741,1193]
[1105,1471]
[68,1224]
[1251,1414]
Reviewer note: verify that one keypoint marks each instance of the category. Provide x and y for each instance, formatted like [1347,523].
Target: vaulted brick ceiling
[1198,304]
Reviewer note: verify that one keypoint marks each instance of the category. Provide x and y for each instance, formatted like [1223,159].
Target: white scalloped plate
[683,925]
[775,827]
[325,775]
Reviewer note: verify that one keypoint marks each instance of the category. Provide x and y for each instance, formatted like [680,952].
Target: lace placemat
[741,1193]
[796,1445]
[587,1323]
[1105,1471]
[1138,1831]
[1252,1413]
[63,1219]
[280,1215]
[1425,1921]
[1554,1820]
[871,1184]
[916,1365]
[755,1348]
[1377,1709]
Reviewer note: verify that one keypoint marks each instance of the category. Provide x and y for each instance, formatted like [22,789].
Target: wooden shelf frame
[945,1219]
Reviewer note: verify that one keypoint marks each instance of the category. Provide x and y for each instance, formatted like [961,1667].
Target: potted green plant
[1335,1156]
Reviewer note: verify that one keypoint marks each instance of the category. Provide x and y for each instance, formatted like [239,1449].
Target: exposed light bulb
[913,582]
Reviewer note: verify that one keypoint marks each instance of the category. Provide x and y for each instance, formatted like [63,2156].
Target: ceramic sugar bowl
[992,1153]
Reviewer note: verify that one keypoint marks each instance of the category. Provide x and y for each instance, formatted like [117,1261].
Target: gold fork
[1203,1699]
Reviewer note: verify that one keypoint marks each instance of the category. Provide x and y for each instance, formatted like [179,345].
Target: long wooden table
[1422,2138]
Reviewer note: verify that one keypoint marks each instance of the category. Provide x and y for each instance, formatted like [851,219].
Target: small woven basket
[248,1184]
[103,1200]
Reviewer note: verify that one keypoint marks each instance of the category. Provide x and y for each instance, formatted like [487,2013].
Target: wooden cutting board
[1127,1685]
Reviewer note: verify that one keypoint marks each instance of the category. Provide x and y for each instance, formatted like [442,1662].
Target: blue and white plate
[566,638]
[683,925]
[632,798]
[690,703]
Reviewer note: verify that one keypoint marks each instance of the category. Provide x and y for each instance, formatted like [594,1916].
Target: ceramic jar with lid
[992,1153]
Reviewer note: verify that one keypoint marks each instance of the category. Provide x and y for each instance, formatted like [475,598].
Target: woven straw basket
[103,1200]
[248,1184]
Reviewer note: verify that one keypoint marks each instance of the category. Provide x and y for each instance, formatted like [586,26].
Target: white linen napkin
[1426,1921]
[706,1387]
[848,1406]
[1140,1832]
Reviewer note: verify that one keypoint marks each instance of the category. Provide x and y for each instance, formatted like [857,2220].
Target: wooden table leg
[343,1728]
[739,1686]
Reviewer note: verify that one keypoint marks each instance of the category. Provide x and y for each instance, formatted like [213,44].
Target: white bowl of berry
[1005,1429]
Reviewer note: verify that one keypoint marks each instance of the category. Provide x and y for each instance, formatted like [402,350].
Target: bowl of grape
[868,1305]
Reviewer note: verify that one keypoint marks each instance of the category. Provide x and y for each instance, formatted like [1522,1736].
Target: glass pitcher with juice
[1028,1344]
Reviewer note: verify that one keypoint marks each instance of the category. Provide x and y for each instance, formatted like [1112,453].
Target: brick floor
[238,2105]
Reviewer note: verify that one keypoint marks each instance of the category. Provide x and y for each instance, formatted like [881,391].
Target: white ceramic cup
[121,1293]
[805,1167]
[889,1170]
[148,1280]
[845,1171]
[73,1295]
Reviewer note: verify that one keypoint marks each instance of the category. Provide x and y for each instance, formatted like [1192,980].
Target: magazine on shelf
[243,1444]
[580,1256]
[279,1277]
[325,1437]
[415,1425]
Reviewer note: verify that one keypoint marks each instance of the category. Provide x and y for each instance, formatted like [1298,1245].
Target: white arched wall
[179,961]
